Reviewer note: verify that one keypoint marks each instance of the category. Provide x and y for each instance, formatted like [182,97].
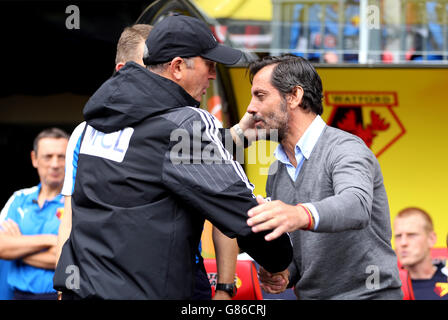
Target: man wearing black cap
[151,168]
[182,36]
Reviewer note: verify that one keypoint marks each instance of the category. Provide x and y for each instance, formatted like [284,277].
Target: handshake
[273,282]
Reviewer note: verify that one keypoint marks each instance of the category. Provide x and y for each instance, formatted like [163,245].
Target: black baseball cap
[184,36]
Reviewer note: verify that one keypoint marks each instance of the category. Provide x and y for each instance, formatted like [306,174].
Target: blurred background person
[414,238]
[315,32]
[30,221]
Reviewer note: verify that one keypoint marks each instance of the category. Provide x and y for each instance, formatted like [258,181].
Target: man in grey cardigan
[327,190]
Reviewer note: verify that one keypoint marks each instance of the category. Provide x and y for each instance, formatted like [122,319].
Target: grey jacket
[349,255]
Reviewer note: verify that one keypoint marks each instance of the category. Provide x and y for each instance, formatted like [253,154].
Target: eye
[260,95]
[211,65]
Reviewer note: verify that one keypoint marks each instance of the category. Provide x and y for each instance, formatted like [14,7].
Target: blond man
[414,237]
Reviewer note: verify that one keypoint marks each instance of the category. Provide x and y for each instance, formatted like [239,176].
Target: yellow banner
[400,113]
[361,98]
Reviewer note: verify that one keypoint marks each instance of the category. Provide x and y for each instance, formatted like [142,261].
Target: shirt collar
[58,198]
[445,270]
[306,143]
[35,194]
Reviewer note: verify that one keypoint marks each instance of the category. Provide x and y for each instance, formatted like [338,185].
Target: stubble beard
[275,123]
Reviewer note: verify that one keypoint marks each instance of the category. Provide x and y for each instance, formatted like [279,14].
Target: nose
[251,108]
[56,162]
[403,241]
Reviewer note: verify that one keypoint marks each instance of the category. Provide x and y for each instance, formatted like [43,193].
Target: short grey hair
[162,66]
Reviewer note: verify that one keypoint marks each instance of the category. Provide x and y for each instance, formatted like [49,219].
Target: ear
[119,65]
[295,97]
[432,238]
[176,68]
[34,159]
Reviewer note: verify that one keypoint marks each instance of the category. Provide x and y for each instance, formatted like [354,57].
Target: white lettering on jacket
[112,146]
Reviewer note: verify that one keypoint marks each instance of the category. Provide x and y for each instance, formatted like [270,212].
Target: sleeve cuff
[314,213]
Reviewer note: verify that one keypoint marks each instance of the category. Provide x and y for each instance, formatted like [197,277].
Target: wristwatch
[230,288]
[239,132]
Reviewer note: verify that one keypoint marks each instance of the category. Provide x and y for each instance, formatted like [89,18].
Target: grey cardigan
[349,255]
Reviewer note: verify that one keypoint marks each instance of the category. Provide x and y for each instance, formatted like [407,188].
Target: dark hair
[292,71]
[55,133]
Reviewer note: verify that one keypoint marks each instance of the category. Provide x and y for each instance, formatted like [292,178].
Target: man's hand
[10,227]
[14,245]
[277,216]
[273,282]
[44,259]
[247,124]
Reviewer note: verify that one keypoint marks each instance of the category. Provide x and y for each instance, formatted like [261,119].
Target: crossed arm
[36,250]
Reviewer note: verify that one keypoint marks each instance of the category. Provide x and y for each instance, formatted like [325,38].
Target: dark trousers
[22,295]
[70,295]
[202,288]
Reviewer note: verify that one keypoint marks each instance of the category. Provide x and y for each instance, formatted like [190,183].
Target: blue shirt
[302,151]
[6,292]
[24,209]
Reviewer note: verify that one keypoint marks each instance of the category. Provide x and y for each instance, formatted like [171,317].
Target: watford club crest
[60,213]
[441,289]
[369,115]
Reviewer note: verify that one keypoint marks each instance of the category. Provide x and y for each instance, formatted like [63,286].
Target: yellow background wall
[415,166]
